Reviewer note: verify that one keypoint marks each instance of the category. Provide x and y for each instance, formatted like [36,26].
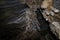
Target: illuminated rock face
[54,19]
[55,25]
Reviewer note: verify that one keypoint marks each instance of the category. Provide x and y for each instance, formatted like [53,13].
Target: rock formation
[53,17]
[21,20]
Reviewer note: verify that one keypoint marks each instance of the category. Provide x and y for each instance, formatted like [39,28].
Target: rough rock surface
[57,4]
[13,25]
[53,17]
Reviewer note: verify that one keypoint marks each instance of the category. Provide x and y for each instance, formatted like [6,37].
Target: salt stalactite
[32,22]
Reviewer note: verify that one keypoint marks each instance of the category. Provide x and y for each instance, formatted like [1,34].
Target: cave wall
[57,4]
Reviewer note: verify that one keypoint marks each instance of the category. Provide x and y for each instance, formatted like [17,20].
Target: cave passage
[12,10]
